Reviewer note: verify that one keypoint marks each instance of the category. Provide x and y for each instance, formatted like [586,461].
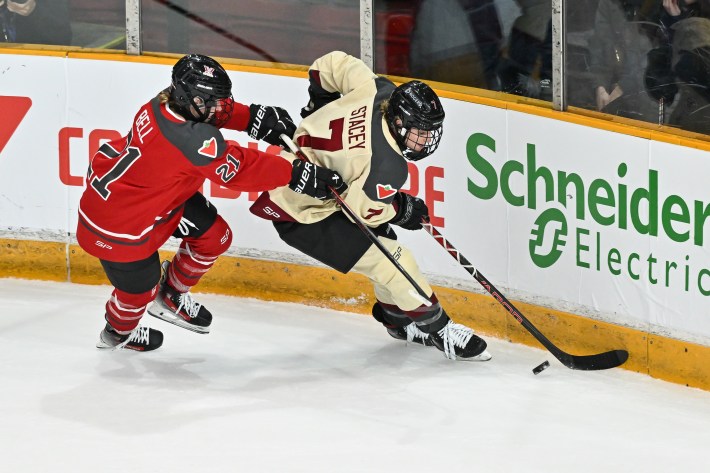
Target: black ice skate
[140,339]
[400,327]
[410,333]
[179,308]
[458,342]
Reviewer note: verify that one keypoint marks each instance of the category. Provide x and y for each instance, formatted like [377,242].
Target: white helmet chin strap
[403,133]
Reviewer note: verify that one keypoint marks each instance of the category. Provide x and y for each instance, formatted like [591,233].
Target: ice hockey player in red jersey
[364,128]
[144,188]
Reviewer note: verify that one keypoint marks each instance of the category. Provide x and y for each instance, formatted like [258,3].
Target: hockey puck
[541,367]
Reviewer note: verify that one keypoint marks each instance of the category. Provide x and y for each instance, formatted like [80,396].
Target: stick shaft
[295,149]
[598,361]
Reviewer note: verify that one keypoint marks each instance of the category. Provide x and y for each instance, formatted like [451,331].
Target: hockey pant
[399,302]
[340,244]
[205,235]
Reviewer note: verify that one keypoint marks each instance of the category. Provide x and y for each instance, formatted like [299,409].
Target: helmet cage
[415,117]
[201,89]
[411,136]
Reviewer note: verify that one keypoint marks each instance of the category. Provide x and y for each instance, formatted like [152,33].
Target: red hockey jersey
[136,187]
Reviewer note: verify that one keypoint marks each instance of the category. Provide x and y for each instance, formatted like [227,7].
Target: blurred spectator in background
[527,69]
[678,71]
[675,10]
[457,41]
[9,11]
[36,22]
[579,31]
[624,32]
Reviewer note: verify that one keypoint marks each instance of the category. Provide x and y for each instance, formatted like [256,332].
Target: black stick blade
[600,361]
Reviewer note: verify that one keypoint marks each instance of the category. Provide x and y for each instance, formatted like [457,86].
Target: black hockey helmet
[415,105]
[200,83]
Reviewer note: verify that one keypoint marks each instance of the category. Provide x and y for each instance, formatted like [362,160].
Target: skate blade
[483,356]
[102,345]
[159,312]
[105,346]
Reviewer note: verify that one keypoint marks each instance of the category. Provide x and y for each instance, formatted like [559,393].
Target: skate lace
[454,335]
[413,332]
[138,335]
[190,305]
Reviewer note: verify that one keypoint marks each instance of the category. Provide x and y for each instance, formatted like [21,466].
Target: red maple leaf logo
[14,110]
[209,148]
[384,191]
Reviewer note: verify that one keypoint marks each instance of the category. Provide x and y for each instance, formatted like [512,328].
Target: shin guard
[197,255]
[124,310]
[429,319]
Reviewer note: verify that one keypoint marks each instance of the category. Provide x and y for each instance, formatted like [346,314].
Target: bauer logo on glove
[315,181]
[268,123]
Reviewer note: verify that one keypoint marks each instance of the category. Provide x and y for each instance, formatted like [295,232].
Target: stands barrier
[596,229]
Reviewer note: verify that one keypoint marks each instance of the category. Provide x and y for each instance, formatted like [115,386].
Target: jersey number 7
[333,143]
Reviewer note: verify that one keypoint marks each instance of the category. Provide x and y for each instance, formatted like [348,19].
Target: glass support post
[134,44]
[366,33]
[559,36]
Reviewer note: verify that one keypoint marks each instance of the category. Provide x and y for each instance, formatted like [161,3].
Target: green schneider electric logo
[609,205]
[548,238]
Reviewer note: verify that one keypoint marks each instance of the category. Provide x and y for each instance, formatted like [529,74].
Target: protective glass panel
[496,45]
[86,23]
[97,23]
[641,59]
[289,31]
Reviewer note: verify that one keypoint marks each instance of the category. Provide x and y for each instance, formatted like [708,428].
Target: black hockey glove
[410,211]
[316,181]
[267,123]
[318,98]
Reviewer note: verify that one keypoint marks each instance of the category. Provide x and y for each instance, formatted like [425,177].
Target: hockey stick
[420,294]
[600,361]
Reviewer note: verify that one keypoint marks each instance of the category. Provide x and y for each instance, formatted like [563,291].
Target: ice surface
[290,388]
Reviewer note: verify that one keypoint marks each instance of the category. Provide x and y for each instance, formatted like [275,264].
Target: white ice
[290,388]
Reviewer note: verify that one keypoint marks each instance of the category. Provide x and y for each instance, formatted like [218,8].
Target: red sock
[197,255]
[187,268]
[124,310]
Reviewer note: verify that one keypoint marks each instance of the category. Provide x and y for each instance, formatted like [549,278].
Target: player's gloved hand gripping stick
[420,294]
[600,361]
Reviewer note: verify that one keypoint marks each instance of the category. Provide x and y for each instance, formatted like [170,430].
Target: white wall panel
[660,280]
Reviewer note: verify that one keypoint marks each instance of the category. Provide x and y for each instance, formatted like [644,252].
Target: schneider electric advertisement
[598,223]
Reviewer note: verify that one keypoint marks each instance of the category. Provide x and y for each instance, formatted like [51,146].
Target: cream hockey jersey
[350,136]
